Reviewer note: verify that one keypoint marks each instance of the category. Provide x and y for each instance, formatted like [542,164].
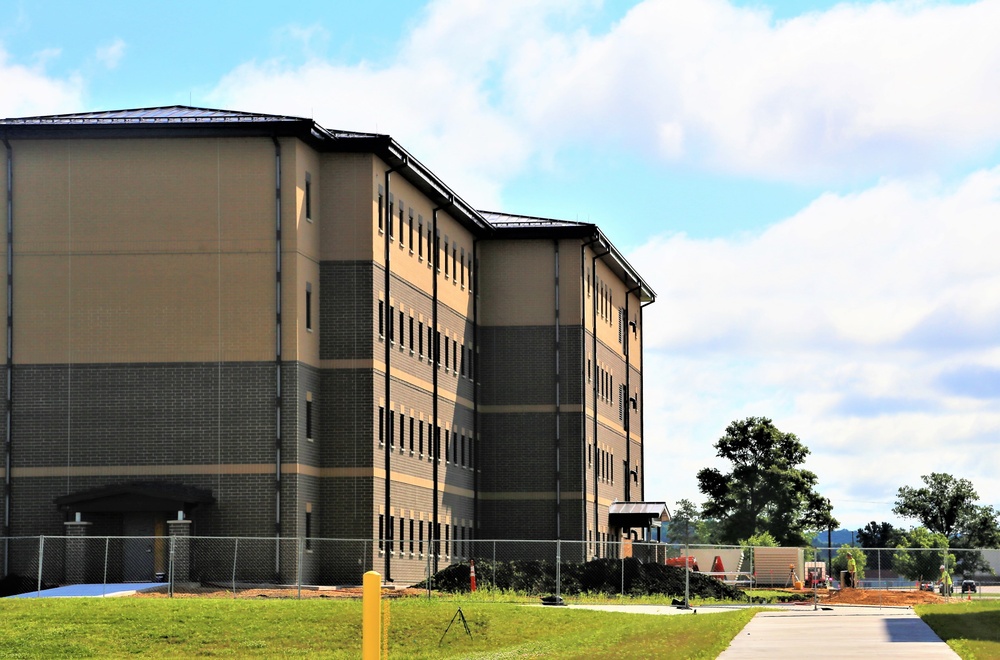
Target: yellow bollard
[371,618]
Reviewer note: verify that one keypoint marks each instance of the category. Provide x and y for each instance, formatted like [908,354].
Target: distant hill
[838,538]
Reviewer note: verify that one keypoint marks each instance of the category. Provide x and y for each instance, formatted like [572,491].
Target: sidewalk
[838,632]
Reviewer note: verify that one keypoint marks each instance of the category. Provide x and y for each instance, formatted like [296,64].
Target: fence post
[170,568]
[236,549]
[621,560]
[298,572]
[494,564]
[558,567]
[687,578]
[41,560]
[104,580]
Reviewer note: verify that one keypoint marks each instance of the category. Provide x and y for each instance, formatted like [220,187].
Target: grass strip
[971,629]
[164,628]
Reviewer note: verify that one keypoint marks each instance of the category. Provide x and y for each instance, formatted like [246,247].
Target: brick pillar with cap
[76,550]
[180,540]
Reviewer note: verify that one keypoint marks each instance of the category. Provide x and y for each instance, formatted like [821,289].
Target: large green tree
[879,535]
[948,506]
[766,491]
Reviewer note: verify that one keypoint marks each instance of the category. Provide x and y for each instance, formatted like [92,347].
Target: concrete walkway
[838,632]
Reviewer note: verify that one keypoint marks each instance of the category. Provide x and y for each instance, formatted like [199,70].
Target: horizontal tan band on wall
[544,408]
[398,374]
[231,469]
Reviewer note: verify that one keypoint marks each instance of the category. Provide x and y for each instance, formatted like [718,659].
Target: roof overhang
[637,514]
[189,122]
[136,496]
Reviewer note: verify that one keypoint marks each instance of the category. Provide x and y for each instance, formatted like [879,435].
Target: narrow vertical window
[309,416]
[454,354]
[437,347]
[410,241]
[470,271]
[402,228]
[388,218]
[309,514]
[463,362]
[402,432]
[420,538]
[308,199]
[381,210]
[381,426]
[430,343]
[411,335]
[462,444]
[446,257]
[420,237]
[411,435]
[381,532]
[391,428]
[447,446]
[462,268]
[420,437]
[402,521]
[389,531]
[446,362]
[309,302]
[411,536]
[454,263]
[402,322]
[381,319]
[392,323]
[420,338]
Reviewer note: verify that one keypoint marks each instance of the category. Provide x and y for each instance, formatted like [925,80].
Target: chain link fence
[299,567]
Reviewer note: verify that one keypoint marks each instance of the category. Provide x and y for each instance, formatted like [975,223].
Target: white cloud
[867,324]
[846,94]
[28,90]
[111,54]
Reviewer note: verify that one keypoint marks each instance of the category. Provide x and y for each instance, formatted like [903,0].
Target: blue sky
[812,188]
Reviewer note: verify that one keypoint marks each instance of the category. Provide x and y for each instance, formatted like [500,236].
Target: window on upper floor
[308,197]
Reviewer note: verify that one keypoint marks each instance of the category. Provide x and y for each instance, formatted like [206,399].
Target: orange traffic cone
[472,575]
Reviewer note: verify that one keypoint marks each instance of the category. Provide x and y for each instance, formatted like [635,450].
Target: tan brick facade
[254,310]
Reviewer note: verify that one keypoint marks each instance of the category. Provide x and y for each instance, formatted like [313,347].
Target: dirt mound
[250,594]
[599,576]
[898,597]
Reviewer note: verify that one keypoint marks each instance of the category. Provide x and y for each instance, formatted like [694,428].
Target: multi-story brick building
[254,320]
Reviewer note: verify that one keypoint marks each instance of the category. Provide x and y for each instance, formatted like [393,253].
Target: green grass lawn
[136,627]
[972,629]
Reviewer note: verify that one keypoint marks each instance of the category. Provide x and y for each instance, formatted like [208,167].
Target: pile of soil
[897,597]
[311,592]
[599,576]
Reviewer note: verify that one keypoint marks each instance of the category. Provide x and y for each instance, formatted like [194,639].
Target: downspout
[583,394]
[387,254]
[434,352]
[627,403]
[558,410]
[593,300]
[277,354]
[642,433]
[474,363]
[10,357]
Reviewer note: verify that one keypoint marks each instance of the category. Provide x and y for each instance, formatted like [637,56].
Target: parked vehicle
[968,586]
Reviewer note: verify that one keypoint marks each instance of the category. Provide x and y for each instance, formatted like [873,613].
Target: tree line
[768,498]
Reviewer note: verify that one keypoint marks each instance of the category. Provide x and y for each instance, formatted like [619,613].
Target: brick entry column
[180,538]
[76,550]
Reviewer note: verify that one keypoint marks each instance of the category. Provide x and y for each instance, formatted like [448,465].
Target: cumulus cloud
[845,94]
[29,90]
[819,322]
[111,54]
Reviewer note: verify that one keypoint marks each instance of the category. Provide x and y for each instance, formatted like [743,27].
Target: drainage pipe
[583,394]
[434,350]
[277,354]
[390,417]
[597,465]
[9,396]
[627,403]
[555,243]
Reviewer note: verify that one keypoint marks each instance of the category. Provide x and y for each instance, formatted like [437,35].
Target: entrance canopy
[625,515]
[136,496]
